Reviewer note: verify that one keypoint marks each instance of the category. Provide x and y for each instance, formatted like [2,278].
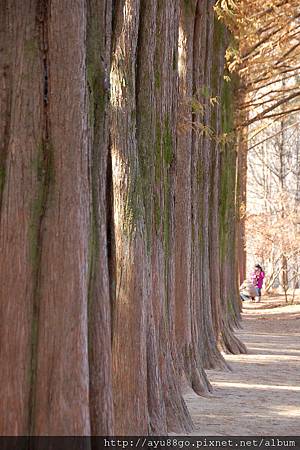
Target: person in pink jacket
[257,278]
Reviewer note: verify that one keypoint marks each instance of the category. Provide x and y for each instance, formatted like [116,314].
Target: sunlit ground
[261,396]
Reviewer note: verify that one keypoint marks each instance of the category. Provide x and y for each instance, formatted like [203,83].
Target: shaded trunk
[216,148]
[185,321]
[202,179]
[230,300]
[99,19]
[163,255]
[242,148]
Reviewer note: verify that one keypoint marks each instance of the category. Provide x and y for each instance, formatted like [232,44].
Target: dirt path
[261,396]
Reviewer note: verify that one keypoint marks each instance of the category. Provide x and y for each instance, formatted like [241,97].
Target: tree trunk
[230,300]
[202,178]
[183,206]
[242,148]
[185,321]
[166,77]
[22,123]
[216,148]
[129,309]
[146,137]
[60,350]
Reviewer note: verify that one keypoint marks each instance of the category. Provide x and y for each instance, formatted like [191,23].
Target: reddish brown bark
[22,131]
[129,320]
[183,229]
[230,300]
[202,188]
[212,357]
[164,246]
[216,148]
[185,320]
[99,18]
[241,199]
[62,406]
[146,136]
[56,360]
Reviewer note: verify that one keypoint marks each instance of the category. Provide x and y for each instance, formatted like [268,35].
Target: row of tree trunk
[118,202]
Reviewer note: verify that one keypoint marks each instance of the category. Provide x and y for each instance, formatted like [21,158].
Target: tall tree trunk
[207,333]
[242,146]
[62,220]
[183,235]
[146,137]
[202,176]
[129,309]
[22,129]
[216,148]
[187,344]
[229,275]
[58,358]
[166,77]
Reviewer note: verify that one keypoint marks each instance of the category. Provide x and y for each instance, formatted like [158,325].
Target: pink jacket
[257,279]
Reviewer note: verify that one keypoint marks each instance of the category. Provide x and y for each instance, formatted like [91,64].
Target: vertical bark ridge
[99,314]
[45,178]
[5,96]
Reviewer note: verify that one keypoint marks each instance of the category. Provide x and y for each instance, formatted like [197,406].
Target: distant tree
[273,177]
[266,55]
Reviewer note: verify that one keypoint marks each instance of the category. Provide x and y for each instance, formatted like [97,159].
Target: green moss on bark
[228,161]
[31,49]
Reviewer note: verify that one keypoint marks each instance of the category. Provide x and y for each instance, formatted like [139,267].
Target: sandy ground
[261,395]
